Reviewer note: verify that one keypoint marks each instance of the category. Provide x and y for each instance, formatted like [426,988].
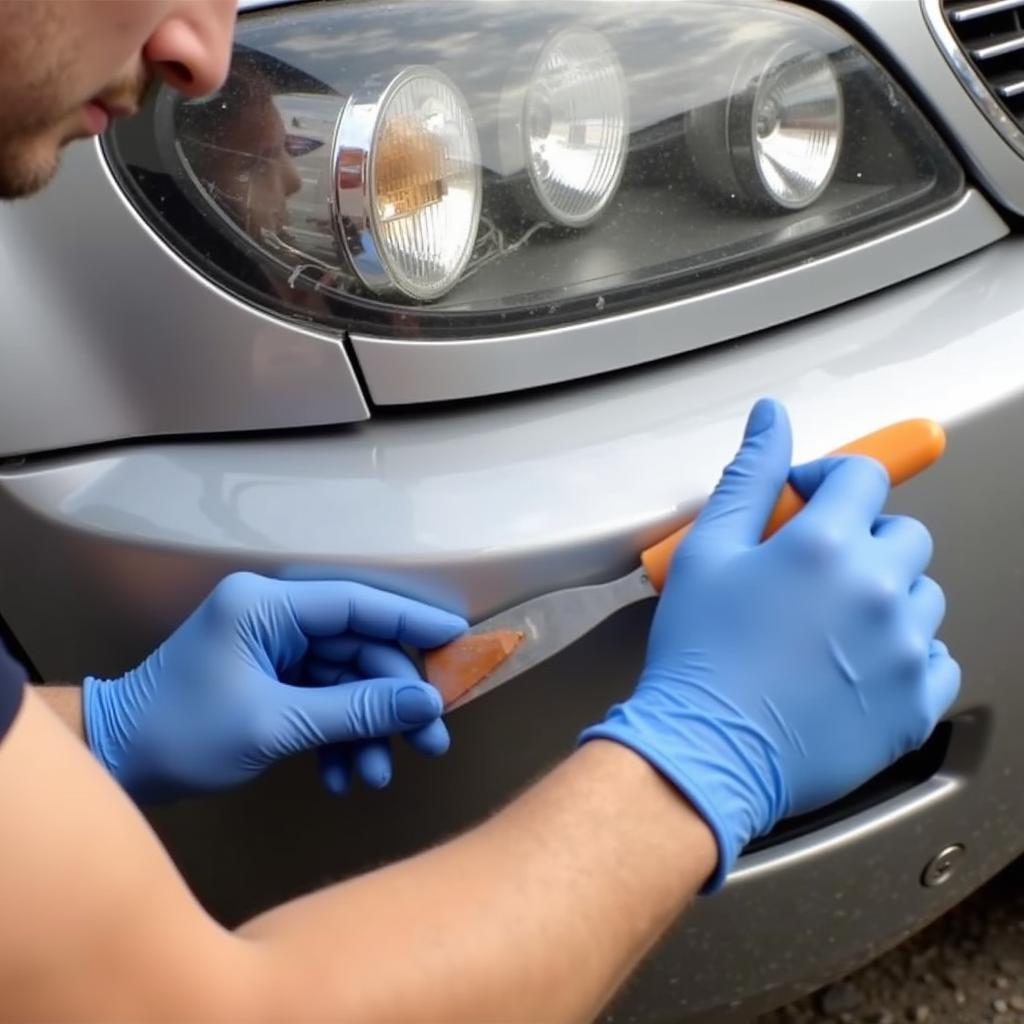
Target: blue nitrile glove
[781,675]
[216,703]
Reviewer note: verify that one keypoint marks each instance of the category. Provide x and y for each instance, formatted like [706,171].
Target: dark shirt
[12,685]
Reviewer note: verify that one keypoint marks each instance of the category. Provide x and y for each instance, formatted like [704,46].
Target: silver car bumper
[477,507]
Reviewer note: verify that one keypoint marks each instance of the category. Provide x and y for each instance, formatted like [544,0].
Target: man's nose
[292,178]
[190,49]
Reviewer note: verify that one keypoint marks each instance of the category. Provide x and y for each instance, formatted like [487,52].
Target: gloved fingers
[367,658]
[942,680]
[372,759]
[295,674]
[843,492]
[335,759]
[339,649]
[431,739]
[330,607]
[323,673]
[365,709]
[927,605]
[908,544]
[738,510]
[335,764]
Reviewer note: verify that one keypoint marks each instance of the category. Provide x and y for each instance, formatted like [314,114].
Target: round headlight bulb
[792,128]
[407,184]
[575,126]
[775,142]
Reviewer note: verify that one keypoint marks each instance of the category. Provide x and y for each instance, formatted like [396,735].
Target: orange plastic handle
[905,449]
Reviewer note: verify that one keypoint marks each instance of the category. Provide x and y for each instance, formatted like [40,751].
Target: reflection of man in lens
[236,146]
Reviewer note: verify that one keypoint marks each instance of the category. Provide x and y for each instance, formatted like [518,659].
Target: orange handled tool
[905,449]
[509,643]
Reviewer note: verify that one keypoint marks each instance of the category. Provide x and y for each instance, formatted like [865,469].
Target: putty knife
[507,644]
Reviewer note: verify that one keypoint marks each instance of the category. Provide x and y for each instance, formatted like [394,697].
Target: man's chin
[23,173]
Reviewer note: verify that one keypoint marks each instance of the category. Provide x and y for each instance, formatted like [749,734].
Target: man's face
[68,66]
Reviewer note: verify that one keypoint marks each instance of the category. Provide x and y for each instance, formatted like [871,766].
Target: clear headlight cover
[575,127]
[407,184]
[446,168]
[797,125]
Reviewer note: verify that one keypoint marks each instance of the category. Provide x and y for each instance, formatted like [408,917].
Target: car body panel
[184,358]
[111,341]
[479,506]
[107,334]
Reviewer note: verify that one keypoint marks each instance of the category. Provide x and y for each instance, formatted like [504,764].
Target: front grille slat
[1010,90]
[960,13]
[991,35]
[998,47]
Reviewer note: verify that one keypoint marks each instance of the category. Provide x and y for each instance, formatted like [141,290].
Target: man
[779,675]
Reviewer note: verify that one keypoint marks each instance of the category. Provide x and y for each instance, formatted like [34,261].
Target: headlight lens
[797,125]
[574,126]
[407,174]
[422,168]
[783,125]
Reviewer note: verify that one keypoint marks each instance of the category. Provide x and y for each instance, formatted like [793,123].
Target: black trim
[909,771]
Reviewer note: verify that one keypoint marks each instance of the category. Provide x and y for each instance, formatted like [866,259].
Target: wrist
[650,787]
[96,721]
[114,717]
[725,770]
[112,714]
[65,701]
[640,798]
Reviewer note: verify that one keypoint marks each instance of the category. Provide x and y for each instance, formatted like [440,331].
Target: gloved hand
[216,703]
[781,675]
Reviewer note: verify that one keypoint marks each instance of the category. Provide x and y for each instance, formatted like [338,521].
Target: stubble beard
[30,154]
[27,165]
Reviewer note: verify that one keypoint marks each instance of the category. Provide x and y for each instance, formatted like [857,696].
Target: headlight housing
[356,169]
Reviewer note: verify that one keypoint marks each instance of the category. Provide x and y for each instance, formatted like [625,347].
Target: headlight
[422,168]
[407,178]
[574,126]
[783,126]
[796,125]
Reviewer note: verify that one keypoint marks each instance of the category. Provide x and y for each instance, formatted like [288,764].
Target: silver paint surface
[483,505]
[478,507]
[107,334]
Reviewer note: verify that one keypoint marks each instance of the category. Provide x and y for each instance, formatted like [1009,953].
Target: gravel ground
[966,968]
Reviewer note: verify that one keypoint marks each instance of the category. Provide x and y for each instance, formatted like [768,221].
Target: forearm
[65,701]
[114,937]
[538,914]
